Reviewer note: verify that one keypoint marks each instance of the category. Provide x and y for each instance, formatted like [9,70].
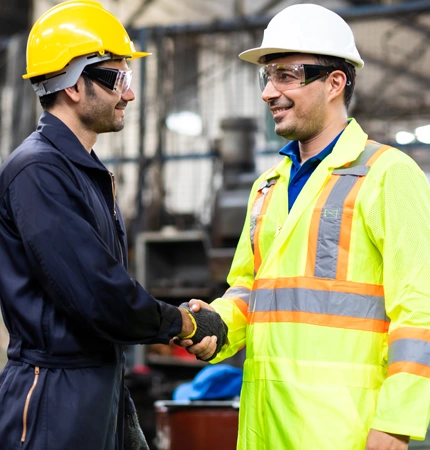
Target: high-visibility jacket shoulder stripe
[331,230]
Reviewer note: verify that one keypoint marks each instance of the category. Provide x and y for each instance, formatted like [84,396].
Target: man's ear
[74,93]
[337,81]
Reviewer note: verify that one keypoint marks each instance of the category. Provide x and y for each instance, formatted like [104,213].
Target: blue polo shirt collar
[293,152]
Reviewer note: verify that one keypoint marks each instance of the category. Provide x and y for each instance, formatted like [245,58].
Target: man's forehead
[114,64]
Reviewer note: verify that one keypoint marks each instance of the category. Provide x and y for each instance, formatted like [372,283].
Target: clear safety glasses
[285,77]
[114,79]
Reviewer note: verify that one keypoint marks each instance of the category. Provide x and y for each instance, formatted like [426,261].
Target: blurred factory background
[198,133]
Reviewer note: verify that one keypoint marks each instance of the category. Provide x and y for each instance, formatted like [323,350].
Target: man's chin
[282,132]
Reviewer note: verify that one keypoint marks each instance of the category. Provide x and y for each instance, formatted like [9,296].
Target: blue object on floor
[219,381]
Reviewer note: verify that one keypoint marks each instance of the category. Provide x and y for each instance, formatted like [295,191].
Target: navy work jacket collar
[60,135]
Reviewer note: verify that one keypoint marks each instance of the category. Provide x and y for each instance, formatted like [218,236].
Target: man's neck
[316,144]
[86,138]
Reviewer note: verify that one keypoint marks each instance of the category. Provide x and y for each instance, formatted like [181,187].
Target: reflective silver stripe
[412,350]
[241,292]
[360,171]
[329,228]
[331,215]
[318,302]
[258,206]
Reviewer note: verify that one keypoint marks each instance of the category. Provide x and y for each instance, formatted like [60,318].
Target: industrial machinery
[176,265]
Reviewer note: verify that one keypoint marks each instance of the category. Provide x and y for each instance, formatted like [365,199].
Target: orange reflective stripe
[409,333]
[257,252]
[315,223]
[409,367]
[328,320]
[239,303]
[240,296]
[323,284]
[345,231]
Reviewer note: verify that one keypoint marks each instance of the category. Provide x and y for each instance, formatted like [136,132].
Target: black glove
[209,323]
[134,438]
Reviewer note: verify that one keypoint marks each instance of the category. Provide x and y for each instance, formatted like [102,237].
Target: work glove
[134,438]
[209,323]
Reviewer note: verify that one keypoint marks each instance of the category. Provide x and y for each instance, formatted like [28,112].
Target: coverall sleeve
[75,267]
[399,224]
[233,305]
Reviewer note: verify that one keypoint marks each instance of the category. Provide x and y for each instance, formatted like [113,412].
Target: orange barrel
[196,425]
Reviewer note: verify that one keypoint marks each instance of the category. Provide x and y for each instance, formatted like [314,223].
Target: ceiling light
[423,134]
[185,122]
[404,137]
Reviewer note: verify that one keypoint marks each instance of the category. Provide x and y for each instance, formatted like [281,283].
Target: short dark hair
[347,68]
[48,101]
[89,86]
[325,60]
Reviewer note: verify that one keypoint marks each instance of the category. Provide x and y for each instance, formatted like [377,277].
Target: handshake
[209,330]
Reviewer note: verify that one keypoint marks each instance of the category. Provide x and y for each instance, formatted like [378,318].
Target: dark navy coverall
[67,299]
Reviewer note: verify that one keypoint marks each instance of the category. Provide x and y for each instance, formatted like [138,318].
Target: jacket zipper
[112,177]
[27,404]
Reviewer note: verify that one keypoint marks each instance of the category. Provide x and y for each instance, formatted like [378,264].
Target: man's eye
[285,76]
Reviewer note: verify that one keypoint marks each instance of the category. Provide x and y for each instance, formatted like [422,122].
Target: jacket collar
[348,148]
[62,138]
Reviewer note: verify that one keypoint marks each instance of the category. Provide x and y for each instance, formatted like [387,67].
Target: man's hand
[187,324]
[378,440]
[207,346]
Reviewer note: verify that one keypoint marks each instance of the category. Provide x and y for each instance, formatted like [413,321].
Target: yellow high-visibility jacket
[333,302]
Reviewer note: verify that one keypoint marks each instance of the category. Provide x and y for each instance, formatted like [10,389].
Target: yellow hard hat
[72,29]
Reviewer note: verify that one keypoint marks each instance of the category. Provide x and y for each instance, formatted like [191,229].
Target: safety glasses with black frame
[286,77]
[114,79]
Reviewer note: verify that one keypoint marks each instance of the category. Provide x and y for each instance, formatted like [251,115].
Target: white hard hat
[307,28]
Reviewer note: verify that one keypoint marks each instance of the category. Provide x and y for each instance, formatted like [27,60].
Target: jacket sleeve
[399,225]
[233,305]
[75,267]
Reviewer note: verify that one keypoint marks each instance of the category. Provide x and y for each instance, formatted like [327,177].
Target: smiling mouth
[277,111]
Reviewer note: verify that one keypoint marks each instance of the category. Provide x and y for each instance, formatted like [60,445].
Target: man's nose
[128,95]
[270,92]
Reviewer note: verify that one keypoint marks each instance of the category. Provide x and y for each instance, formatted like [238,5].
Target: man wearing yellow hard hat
[330,282]
[67,300]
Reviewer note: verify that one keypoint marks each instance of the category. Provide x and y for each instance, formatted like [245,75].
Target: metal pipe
[250,23]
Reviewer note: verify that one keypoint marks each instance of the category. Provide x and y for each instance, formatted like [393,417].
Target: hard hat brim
[135,55]
[253,55]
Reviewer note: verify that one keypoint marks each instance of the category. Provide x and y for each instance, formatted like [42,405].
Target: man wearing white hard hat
[329,284]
